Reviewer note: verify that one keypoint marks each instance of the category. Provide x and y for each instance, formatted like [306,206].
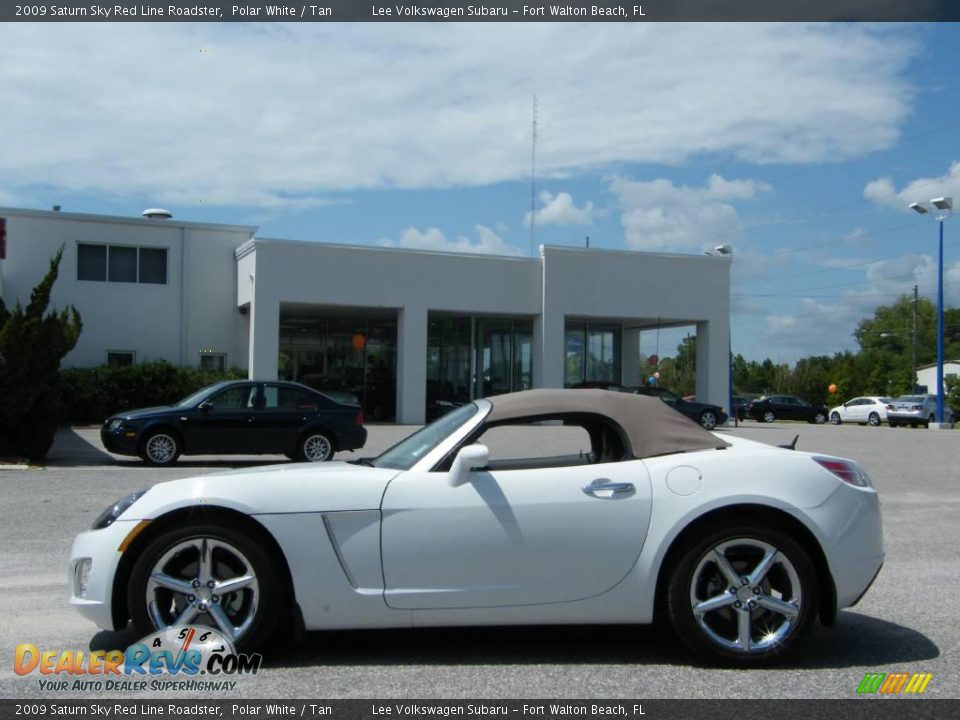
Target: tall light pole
[945,206]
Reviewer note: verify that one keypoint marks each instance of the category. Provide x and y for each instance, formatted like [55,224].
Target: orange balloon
[358,341]
[832,389]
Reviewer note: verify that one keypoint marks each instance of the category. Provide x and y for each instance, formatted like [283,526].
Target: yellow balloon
[832,389]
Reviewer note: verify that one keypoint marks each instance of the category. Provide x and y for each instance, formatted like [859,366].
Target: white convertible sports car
[642,515]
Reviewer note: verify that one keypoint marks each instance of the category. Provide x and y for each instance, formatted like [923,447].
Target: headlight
[116,510]
[115,424]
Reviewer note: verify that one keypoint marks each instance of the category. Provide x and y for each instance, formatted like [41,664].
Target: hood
[141,413]
[298,488]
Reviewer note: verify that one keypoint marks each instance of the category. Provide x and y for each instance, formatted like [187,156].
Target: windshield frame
[420,447]
[194,399]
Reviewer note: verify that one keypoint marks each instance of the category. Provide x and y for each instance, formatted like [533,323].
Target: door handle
[614,488]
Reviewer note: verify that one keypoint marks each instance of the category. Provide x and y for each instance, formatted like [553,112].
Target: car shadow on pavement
[71,449]
[856,641]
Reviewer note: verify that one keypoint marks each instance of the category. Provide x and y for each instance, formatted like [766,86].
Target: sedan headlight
[115,424]
[107,517]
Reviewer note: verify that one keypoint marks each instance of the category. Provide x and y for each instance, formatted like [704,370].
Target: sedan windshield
[406,453]
[198,396]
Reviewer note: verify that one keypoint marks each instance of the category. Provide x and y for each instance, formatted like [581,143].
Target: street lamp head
[918,207]
[943,203]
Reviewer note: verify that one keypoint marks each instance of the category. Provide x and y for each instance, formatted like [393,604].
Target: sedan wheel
[207,575]
[316,446]
[820,418]
[835,418]
[160,448]
[874,419]
[768,416]
[742,596]
[708,419]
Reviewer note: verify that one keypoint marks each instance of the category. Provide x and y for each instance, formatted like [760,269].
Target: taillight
[917,407]
[890,407]
[848,471]
[359,420]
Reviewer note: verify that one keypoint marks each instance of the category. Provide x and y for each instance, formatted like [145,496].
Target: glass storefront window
[592,353]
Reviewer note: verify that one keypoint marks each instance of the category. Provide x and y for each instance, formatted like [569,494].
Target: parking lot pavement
[907,622]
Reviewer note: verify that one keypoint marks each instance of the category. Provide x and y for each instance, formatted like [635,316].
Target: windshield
[198,396]
[406,453]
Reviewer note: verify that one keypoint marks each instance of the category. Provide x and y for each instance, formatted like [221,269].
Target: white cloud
[559,209]
[260,114]
[883,191]
[658,215]
[487,242]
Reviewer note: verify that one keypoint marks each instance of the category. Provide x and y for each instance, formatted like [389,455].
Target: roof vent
[157,214]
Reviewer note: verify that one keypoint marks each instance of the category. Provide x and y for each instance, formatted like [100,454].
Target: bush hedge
[91,395]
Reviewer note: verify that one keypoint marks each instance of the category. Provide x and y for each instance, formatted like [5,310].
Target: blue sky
[799,145]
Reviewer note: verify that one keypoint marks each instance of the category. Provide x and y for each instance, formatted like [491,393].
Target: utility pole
[913,366]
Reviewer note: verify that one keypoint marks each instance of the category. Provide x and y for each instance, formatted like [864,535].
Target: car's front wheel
[708,418]
[835,418]
[820,418]
[742,596]
[206,575]
[769,416]
[160,447]
[874,419]
[315,446]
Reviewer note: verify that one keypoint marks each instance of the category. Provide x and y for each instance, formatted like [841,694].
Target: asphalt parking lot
[907,622]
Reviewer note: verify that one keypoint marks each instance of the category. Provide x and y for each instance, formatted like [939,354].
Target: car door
[285,411]
[512,537]
[224,423]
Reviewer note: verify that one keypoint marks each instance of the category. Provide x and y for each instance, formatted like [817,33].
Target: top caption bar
[494,11]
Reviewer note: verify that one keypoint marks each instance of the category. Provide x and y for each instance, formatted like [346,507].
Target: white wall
[928,375]
[196,309]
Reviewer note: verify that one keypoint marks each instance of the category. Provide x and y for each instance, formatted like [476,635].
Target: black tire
[254,609]
[819,419]
[873,419]
[714,634]
[768,416]
[315,446]
[930,419]
[835,418]
[708,419]
[160,447]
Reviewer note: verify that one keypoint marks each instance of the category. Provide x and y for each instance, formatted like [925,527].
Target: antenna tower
[533,180]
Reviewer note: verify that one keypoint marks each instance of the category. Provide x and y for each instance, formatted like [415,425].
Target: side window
[555,443]
[236,398]
[285,398]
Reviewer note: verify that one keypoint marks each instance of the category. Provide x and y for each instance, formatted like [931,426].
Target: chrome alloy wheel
[317,448]
[746,595]
[160,448]
[203,581]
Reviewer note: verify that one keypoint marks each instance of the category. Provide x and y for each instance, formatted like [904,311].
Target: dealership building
[399,328]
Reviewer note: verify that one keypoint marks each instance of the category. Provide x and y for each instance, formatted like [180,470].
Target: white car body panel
[512,537]
[853,411]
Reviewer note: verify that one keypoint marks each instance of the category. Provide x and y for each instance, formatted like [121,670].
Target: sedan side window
[241,397]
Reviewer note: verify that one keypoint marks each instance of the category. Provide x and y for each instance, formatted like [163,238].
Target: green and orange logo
[894,683]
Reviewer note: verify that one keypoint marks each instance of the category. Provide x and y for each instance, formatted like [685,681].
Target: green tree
[32,343]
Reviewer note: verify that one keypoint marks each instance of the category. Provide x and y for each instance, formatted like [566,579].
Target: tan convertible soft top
[650,426]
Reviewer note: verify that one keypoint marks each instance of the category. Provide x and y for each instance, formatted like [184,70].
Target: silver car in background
[914,410]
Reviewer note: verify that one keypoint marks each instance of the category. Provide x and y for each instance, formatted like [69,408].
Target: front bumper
[120,442]
[100,547]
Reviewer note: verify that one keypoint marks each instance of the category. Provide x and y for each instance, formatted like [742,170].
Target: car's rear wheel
[708,418]
[315,446]
[820,418]
[160,447]
[835,418]
[742,596]
[769,416]
[874,419]
[206,575]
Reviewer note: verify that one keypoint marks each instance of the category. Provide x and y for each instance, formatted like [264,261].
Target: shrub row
[91,395]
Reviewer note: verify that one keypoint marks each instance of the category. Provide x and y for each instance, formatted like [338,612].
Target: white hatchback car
[867,410]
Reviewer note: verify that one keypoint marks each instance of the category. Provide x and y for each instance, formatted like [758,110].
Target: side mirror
[205,407]
[469,458]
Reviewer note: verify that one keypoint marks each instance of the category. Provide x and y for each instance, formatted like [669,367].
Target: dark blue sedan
[239,417]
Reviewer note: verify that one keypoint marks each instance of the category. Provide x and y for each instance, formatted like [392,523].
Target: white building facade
[406,331]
